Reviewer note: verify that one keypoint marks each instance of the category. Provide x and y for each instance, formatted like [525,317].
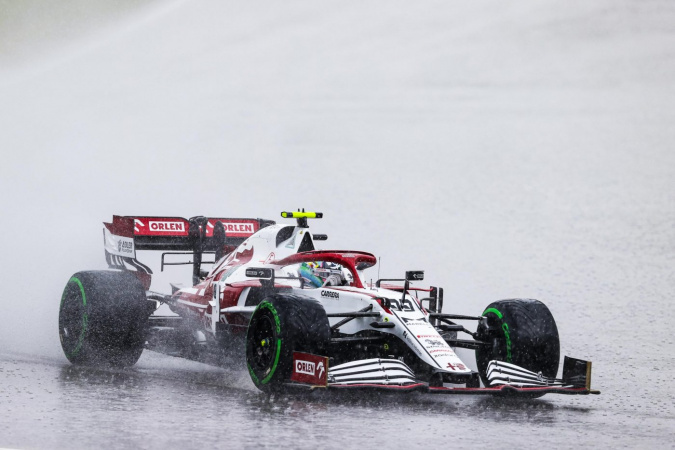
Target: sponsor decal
[138,223]
[233,227]
[456,366]
[238,228]
[435,343]
[306,367]
[310,369]
[415,348]
[125,246]
[330,294]
[147,226]
[405,305]
[167,227]
[119,245]
[414,322]
[175,226]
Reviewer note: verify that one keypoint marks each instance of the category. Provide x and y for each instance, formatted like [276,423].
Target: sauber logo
[167,226]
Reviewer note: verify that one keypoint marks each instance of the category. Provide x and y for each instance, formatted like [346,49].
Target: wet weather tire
[521,332]
[103,318]
[280,325]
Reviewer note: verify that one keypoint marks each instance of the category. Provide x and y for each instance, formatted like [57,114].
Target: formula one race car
[303,318]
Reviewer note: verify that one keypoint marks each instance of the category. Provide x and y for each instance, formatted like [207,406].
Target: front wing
[393,375]
[503,390]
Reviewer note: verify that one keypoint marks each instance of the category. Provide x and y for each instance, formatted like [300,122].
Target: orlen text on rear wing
[197,235]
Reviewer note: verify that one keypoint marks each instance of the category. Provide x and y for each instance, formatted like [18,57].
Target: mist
[507,149]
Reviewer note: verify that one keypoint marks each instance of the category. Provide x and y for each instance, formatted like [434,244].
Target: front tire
[521,332]
[103,318]
[280,325]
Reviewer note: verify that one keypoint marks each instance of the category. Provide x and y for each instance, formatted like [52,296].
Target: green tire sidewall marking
[272,309]
[505,329]
[494,311]
[85,318]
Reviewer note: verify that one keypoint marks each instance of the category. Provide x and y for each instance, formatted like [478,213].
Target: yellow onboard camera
[301,216]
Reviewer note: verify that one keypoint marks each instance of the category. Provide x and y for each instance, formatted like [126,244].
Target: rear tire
[280,325]
[103,318]
[521,332]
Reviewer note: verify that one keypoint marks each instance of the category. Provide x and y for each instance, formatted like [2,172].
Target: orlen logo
[238,227]
[306,367]
[167,226]
[309,368]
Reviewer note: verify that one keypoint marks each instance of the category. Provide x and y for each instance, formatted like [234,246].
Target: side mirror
[260,272]
[414,275]
[363,265]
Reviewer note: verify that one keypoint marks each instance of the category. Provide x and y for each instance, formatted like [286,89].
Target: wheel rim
[264,343]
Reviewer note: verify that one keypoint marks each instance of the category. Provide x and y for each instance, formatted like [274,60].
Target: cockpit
[316,269]
[316,274]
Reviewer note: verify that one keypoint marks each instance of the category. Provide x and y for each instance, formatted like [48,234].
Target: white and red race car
[303,318]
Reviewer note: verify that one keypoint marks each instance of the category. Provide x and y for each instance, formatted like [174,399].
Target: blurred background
[508,149]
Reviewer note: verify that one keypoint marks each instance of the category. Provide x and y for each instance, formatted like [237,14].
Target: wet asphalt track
[510,150]
[164,403]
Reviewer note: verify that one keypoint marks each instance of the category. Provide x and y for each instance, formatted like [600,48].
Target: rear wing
[127,234]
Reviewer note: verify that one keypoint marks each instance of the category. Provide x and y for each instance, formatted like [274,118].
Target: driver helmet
[322,273]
